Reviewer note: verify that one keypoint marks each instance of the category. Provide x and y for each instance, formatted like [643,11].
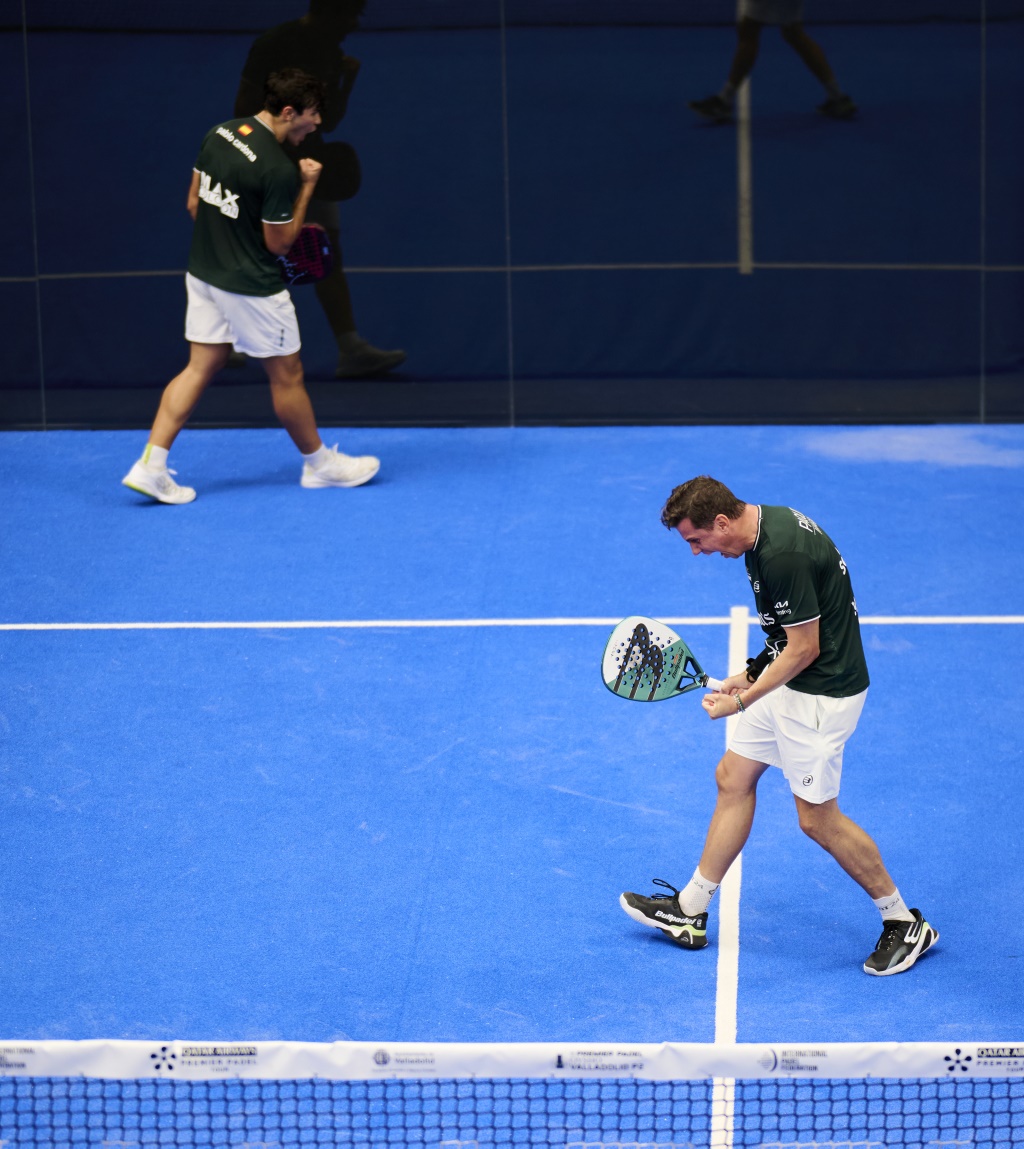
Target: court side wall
[543,224]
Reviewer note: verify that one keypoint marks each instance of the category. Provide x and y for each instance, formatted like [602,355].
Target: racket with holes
[309,259]
[646,661]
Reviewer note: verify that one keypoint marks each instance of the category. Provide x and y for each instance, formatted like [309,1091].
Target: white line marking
[430,623]
[744,182]
[723,1094]
[607,801]
[501,269]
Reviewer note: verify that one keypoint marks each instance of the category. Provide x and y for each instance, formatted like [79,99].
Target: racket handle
[712,683]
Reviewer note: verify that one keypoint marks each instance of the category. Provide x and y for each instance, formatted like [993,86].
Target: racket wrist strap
[756,665]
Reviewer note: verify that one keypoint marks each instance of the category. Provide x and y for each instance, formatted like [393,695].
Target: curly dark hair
[700,500]
[292,88]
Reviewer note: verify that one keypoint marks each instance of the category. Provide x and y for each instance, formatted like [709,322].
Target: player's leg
[292,404]
[150,474]
[736,779]
[209,332]
[837,104]
[682,915]
[322,466]
[853,848]
[719,107]
[813,732]
[185,390]
[905,934]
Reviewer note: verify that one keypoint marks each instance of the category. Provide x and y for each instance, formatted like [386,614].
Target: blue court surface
[391,829]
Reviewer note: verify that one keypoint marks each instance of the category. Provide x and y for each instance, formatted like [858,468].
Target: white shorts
[782,12]
[258,325]
[802,734]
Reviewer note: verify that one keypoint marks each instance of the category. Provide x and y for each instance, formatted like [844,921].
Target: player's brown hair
[700,500]
[292,88]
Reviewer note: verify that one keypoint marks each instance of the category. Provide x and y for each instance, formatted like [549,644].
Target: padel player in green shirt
[248,201]
[798,705]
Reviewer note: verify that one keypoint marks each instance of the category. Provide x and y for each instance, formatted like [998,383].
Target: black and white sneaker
[662,911]
[900,945]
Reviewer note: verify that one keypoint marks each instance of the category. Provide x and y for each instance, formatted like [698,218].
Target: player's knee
[732,780]
[287,375]
[817,821]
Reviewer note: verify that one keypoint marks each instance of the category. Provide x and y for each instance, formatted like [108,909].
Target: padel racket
[647,661]
[309,259]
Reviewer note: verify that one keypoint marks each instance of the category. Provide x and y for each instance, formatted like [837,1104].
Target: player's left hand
[735,683]
[719,705]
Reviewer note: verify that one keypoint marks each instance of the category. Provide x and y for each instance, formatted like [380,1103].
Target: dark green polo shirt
[797,575]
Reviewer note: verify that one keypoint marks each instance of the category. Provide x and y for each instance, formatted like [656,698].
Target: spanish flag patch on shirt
[245,130]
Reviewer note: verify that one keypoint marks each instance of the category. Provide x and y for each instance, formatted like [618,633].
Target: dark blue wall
[543,225]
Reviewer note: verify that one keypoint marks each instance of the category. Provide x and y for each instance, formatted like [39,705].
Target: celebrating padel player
[798,704]
[249,203]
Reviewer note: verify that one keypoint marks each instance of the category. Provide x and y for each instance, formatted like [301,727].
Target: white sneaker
[157,483]
[340,470]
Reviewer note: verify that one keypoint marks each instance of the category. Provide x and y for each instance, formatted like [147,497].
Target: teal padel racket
[646,661]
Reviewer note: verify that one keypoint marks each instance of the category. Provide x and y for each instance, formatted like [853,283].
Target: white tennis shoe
[157,483]
[339,470]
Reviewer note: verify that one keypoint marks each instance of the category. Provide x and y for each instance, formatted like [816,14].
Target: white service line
[428,623]
[723,1093]
[347,624]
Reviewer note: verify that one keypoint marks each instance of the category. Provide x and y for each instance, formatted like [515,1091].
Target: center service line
[723,1093]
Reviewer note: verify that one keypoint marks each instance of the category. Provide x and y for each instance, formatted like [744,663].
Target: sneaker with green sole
[663,913]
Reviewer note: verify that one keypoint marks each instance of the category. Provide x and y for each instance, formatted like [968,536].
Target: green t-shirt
[797,575]
[245,179]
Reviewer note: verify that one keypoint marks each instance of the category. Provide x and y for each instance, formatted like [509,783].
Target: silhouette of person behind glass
[313,43]
[788,15]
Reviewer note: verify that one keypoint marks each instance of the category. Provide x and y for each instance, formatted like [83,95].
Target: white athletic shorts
[771,11]
[258,325]
[802,734]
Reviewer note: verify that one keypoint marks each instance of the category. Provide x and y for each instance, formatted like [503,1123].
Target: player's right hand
[309,170]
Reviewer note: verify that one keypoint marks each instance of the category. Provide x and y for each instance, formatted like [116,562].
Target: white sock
[319,457]
[696,897]
[155,457]
[893,908]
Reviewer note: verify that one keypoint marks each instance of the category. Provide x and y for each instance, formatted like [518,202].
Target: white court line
[744,183]
[516,268]
[429,623]
[723,1092]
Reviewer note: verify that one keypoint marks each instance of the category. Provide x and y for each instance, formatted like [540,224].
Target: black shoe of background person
[363,360]
[838,108]
[713,108]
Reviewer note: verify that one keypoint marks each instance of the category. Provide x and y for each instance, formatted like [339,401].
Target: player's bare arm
[279,237]
[801,649]
[193,196]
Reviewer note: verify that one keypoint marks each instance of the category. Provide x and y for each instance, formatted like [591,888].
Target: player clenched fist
[309,170]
